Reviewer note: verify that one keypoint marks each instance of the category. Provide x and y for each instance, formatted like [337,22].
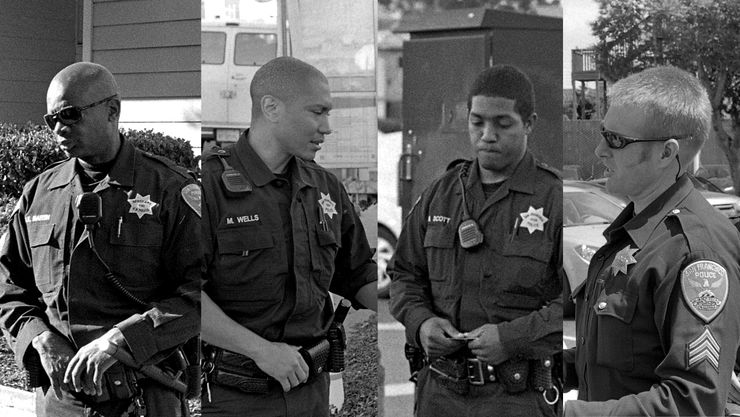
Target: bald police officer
[281,233]
[76,292]
[654,316]
[476,274]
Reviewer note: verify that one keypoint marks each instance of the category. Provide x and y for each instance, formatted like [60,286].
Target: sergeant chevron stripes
[704,348]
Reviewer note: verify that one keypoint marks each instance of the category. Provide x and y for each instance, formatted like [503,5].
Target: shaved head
[91,88]
[84,81]
[283,78]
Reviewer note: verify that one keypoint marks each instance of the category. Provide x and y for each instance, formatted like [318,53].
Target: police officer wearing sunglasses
[657,322]
[101,264]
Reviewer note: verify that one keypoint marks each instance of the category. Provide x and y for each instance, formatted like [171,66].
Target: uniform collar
[257,170]
[520,180]
[122,172]
[641,226]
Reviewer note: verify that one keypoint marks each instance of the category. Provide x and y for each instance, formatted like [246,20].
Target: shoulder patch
[191,195]
[704,285]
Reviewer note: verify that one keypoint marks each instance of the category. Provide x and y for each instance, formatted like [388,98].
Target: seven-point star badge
[533,219]
[141,205]
[329,206]
[623,259]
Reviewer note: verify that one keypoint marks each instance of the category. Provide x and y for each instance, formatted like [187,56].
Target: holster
[233,370]
[316,357]
[416,358]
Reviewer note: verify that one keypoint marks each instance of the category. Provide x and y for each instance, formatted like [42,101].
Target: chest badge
[141,205]
[623,259]
[327,205]
[533,220]
[704,286]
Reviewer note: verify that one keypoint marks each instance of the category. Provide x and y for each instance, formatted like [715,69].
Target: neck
[105,157]
[489,176]
[265,145]
[650,194]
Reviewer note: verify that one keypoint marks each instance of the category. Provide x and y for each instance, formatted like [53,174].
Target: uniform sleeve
[175,317]
[21,310]
[690,383]
[411,296]
[354,265]
[540,333]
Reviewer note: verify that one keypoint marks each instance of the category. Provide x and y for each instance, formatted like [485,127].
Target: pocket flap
[618,305]
[439,237]
[40,234]
[242,239]
[540,250]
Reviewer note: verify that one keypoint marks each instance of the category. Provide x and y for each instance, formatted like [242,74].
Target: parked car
[587,211]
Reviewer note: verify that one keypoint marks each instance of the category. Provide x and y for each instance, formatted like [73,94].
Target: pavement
[398,398]
[16,403]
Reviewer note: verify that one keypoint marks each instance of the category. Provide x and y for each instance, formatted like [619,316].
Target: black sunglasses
[617,141]
[71,114]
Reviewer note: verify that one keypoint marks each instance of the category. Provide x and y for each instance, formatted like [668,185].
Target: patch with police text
[704,286]
[623,259]
[703,349]
[191,195]
[328,205]
[533,220]
[141,205]
[438,219]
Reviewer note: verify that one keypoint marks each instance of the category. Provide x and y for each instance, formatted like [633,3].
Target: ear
[529,123]
[669,152]
[271,107]
[114,110]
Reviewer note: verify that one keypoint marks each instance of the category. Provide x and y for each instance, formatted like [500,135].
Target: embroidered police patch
[191,195]
[703,348]
[704,286]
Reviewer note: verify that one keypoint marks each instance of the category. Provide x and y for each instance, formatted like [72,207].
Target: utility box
[444,54]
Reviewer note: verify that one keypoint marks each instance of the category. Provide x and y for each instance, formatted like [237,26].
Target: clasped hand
[82,371]
[438,337]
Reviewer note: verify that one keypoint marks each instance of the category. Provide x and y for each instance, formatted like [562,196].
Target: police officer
[281,234]
[76,294]
[656,332]
[476,273]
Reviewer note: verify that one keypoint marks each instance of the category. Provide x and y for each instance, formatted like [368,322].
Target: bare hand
[487,344]
[55,353]
[85,371]
[284,363]
[435,334]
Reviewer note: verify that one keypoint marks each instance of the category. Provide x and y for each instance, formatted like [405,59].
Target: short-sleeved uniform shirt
[657,332]
[513,279]
[270,276]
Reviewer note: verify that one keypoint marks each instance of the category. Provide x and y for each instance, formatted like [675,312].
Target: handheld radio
[468,230]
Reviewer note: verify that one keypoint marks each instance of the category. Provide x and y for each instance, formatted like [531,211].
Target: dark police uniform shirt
[148,235]
[513,279]
[656,333]
[248,251]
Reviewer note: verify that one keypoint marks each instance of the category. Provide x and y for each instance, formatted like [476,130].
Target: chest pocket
[46,255]
[247,257]
[439,246]
[614,313]
[135,251]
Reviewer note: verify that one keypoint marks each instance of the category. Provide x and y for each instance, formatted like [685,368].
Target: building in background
[152,47]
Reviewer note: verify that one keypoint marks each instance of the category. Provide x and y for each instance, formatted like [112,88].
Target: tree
[700,36]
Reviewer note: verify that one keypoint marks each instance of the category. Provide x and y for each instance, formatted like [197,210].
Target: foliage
[700,36]
[360,376]
[28,149]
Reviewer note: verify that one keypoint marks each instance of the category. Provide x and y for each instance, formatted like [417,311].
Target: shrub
[28,149]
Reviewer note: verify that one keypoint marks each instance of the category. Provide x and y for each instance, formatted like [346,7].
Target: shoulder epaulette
[169,164]
[53,164]
[214,152]
[550,169]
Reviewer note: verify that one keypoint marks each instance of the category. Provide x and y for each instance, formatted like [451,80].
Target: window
[255,49]
[213,47]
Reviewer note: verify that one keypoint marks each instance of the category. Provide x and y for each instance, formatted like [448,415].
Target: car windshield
[584,208]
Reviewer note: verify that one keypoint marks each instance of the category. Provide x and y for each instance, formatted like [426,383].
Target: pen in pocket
[515,230]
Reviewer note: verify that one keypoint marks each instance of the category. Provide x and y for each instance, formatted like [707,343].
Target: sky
[577,16]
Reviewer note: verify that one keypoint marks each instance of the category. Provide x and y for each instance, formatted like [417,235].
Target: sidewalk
[16,403]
